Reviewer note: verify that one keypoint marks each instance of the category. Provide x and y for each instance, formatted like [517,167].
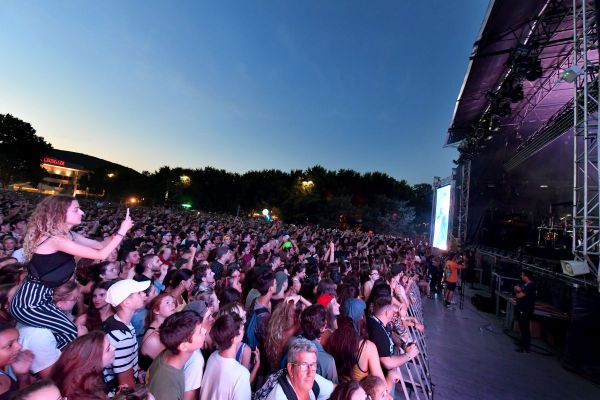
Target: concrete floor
[471,358]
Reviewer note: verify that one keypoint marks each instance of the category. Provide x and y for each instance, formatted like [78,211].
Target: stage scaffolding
[586,207]
[463,201]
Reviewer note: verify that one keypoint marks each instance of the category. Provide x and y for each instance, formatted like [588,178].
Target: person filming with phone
[50,248]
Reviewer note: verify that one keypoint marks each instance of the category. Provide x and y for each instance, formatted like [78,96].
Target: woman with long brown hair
[99,310]
[355,356]
[161,307]
[283,324]
[78,371]
[50,247]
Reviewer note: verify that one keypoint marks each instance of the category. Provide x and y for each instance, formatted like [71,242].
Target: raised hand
[23,362]
[126,224]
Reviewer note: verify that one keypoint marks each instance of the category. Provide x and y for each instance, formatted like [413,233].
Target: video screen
[442,213]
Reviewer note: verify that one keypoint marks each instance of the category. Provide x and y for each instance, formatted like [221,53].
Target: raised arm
[81,250]
[93,244]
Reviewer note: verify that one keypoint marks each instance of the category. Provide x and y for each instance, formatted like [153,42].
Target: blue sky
[242,85]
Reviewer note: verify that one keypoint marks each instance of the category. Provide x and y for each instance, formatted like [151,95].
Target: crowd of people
[99,301]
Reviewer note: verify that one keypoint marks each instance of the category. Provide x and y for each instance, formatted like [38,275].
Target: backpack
[251,339]
[279,377]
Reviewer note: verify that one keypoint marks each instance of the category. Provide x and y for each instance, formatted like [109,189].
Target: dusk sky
[242,85]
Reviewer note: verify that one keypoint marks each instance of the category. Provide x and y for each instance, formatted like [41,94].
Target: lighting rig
[523,64]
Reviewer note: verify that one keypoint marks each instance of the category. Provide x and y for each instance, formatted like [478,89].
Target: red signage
[54,161]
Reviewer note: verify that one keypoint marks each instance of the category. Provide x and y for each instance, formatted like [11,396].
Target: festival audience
[284,305]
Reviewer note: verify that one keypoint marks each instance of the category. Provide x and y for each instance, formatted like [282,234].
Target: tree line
[344,198]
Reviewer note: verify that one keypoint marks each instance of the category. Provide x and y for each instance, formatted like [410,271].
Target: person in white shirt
[225,378]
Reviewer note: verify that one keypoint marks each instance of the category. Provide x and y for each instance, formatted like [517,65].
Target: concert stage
[526,189]
[471,358]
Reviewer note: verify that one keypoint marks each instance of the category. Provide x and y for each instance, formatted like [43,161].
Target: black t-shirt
[527,302]
[379,335]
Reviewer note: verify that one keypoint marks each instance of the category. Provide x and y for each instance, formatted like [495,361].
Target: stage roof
[545,25]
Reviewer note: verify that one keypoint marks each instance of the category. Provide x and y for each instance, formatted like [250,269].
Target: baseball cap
[198,306]
[324,299]
[120,290]
[280,278]
[221,251]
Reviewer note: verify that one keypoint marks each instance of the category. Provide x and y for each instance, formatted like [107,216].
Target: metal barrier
[415,376]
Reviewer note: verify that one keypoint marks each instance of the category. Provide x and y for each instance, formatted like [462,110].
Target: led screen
[442,212]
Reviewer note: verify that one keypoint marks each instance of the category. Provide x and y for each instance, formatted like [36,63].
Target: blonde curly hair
[283,323]
[48,219]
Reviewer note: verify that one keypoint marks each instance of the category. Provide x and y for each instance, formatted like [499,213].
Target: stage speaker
[574,267]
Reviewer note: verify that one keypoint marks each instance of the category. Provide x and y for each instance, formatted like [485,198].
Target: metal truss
[535,37]
[586,208]
[463,201]
[541,31]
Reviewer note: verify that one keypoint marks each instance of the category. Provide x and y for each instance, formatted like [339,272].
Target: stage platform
[471,358]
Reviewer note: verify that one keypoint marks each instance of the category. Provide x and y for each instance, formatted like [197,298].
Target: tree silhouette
[21,151]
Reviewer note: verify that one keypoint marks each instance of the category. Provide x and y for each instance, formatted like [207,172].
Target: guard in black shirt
[525,296]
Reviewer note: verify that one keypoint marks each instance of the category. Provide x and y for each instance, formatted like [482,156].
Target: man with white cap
[126,296]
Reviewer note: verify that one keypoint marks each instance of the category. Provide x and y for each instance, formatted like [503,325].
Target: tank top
[52,270]
[144,361]
[240,352]
[358,374]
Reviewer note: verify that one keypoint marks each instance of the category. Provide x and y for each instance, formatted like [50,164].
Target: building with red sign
[63,175]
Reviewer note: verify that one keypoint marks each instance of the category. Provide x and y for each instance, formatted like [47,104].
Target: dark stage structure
[527,176]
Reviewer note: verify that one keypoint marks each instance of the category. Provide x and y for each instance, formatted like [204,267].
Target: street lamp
[307,186]
[185,179]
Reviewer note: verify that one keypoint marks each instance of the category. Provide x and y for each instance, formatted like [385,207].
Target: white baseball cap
[120,290]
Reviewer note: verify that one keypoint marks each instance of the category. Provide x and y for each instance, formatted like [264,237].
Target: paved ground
[471,358]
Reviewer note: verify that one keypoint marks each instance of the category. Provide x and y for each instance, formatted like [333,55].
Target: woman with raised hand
[50,249]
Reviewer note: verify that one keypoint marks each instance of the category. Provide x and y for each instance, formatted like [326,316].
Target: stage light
[499,105]
[534,72]
[543,186]
[571,73]
[494,125]
[512,88]
[265,212]
[525,63]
